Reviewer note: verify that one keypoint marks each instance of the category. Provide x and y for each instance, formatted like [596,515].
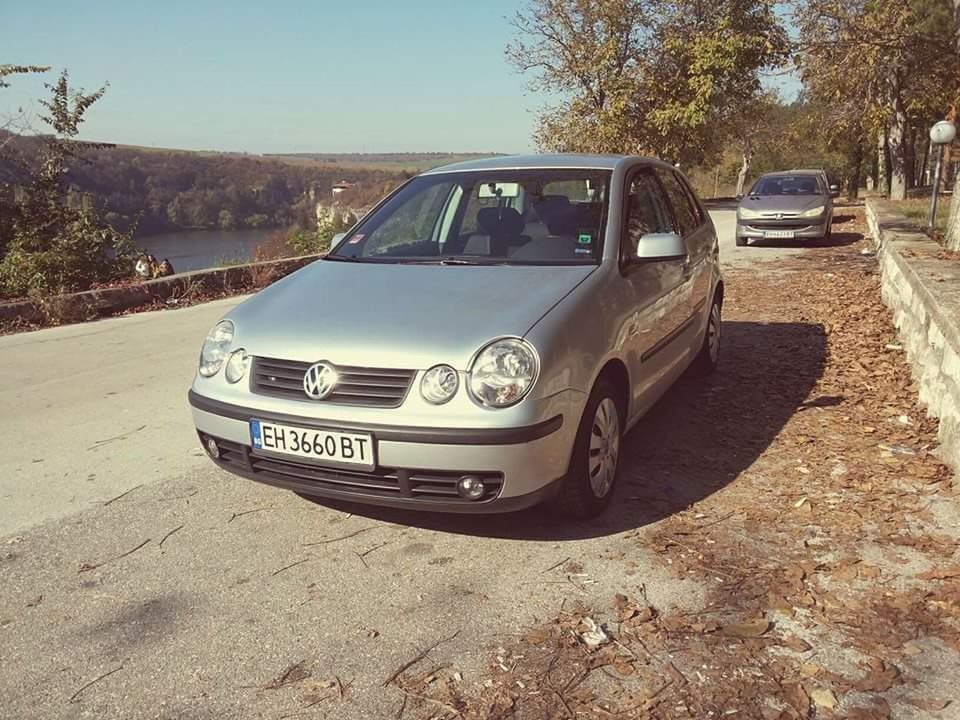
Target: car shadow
[700,436]
[836,239]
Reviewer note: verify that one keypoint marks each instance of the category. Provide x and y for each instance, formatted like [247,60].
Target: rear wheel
[588,486]
[708,358]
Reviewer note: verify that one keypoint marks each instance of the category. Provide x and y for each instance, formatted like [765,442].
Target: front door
[660,292]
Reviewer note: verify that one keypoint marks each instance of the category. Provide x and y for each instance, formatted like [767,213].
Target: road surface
[138,580]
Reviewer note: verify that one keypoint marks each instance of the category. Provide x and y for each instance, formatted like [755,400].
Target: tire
[708,357]
[741,241]
[584,495]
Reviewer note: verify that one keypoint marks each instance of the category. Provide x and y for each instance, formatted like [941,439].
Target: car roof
[541,161]
[780,173]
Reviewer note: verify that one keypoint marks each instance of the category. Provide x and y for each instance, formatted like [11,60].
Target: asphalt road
[180,591]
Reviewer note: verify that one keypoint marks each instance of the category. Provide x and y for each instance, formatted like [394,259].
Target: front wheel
[588,486]
[708,358]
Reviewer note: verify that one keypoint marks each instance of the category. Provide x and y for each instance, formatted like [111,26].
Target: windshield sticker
[585,239]
[355,239]
[582,251]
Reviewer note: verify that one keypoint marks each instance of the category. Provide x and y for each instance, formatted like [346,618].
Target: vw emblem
[319,380]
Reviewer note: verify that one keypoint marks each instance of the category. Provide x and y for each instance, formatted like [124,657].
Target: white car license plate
[321,446]
[778,234]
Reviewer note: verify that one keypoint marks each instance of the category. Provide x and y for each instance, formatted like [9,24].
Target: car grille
[369,387]
[382,482]
[778,225]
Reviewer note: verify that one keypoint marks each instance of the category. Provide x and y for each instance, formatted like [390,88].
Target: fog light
[237,366]
[471,487]
[212,449]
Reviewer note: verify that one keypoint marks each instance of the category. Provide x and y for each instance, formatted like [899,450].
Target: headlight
[503,372]
[215,348]
[439,384]
[237,366]
[748,214]
[813,212]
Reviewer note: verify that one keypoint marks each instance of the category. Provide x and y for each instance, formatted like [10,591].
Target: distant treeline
[412,161]
[172,190]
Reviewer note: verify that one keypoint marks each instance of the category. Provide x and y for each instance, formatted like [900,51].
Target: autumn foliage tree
[660,77]
[52,243]
[879,70]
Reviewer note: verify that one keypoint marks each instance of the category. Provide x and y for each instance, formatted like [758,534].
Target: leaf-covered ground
[800,488]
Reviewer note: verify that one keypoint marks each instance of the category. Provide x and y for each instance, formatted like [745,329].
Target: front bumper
[800,227]
[417,466]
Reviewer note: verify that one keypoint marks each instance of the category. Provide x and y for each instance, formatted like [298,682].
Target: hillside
[400,162]
[167,189]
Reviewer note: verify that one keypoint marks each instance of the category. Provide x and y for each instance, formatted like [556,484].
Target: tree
[878,69]
[754,129]
[56,245]
[660,77]
[17,122]
[952,236]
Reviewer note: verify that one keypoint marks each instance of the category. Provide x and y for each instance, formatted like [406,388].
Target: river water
[199,249]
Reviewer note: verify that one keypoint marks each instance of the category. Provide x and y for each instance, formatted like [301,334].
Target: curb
[923,291]
[89,304]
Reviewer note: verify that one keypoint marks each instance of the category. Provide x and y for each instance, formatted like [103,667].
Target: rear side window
[687,217]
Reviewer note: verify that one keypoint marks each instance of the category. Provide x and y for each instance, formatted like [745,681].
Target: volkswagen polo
[479,342]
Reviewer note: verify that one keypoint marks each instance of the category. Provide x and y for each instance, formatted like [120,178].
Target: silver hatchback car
[479,342]
[786,206]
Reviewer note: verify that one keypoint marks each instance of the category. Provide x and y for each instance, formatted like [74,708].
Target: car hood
[396,315]
[782,203]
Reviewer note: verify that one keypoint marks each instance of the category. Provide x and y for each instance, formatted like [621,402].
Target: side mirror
[336,239]
[659,247]
[834,191]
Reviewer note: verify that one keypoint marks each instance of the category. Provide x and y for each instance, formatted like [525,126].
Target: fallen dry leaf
[796,644]
[947,573]
[928,704]
[750,628]
[823,697]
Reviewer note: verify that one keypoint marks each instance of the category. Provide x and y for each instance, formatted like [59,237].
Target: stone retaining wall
[90,304]
[922,287]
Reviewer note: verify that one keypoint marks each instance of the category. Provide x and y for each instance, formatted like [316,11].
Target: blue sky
[280,76]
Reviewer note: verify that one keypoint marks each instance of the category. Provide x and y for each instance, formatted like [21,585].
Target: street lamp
[941,134]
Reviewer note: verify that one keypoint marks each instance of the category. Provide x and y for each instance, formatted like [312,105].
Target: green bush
[79,253]
[329,223]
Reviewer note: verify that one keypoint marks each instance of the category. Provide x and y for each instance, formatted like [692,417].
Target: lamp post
[941,134]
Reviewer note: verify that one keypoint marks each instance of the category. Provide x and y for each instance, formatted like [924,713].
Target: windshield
[787,185]
[513,217]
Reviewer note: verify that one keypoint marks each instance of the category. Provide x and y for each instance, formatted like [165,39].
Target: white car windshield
[523,217]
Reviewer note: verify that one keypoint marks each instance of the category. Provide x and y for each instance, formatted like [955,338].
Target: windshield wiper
[469,261]
[453,261]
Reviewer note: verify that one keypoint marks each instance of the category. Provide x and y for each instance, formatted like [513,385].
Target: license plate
[778,234]
[322,446]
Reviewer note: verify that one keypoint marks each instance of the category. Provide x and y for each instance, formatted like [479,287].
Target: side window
[687,218]
[647,210]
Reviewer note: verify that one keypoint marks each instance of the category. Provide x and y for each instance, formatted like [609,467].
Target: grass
[918,210]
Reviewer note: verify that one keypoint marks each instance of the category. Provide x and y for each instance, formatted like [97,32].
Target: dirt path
[800,488]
